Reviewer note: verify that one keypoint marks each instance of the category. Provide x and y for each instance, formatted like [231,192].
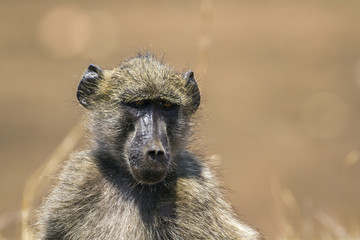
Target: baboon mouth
[149,175]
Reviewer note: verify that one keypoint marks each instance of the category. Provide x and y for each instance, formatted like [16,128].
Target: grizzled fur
[97,197]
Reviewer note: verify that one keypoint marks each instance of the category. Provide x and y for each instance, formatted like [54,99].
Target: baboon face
[148,147]
[140,113]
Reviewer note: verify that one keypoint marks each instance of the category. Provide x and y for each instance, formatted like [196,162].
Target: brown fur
[97,198]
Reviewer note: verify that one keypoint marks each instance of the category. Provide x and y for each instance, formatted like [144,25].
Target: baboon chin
[138,180]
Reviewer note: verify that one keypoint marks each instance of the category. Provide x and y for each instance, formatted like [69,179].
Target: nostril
[155,155]
[152,154]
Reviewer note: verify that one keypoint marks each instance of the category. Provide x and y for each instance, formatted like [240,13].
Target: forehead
[144,78]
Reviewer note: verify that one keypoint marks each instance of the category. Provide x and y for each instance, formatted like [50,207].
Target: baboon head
[139,114]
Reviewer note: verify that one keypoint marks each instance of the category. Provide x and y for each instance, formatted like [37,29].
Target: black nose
[156,152]
[157,155]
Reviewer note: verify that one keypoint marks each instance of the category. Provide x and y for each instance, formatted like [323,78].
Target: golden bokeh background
[280,82]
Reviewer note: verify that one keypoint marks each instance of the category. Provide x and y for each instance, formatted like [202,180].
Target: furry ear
[88,84]
[193,90]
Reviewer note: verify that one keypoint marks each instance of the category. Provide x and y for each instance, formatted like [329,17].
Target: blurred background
[280,81]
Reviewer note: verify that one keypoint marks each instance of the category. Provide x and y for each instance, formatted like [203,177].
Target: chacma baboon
[138,180]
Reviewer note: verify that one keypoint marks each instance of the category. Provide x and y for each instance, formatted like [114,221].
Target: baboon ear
[193,90]
[88,84]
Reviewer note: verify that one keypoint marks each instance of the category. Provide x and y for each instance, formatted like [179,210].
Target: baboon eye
[166,104]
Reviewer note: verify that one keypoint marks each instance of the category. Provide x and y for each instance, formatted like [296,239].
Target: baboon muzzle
[149,154]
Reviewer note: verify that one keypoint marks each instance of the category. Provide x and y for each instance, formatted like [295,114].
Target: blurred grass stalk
[298,223]
[205,35]
[36,183]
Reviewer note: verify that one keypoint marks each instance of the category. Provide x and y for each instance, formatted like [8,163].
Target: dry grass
[37,182]
[306,222]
